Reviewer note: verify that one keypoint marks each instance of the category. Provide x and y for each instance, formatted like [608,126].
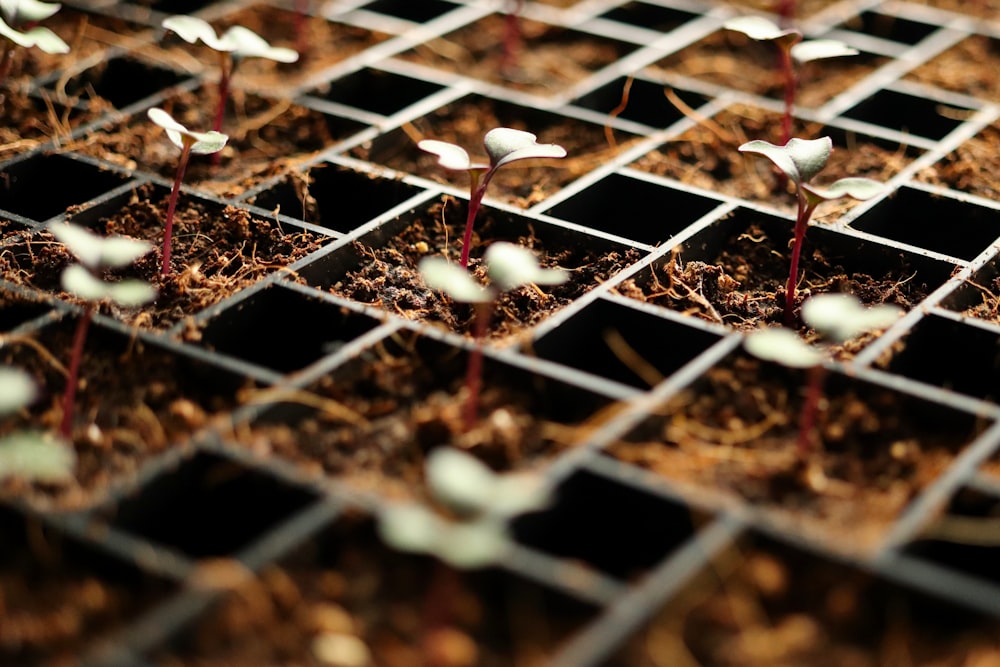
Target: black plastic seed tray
[236,442]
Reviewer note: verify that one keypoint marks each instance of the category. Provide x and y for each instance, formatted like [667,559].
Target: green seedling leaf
[192,29]
[239,41]
[509,266]
[97,252]
[505,145]
[203,143]
[17,390]
[17,12]
[818,49]
[517,493]
[761,29]
[853,188]
[799,159]
[841,317]
[453,280]
[471,545]
[41,37]
[126,293]
[783,346]
[459,480]
[410,527]
[451,156]
[36,457]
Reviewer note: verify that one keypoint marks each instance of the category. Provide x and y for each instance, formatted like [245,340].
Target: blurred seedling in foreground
[19,26]
[30,455]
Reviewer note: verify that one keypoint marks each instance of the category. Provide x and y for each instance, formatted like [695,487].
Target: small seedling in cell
[511,36]
[86,281]
[508,266]
[838,318]
[235,45]
[18,25]
[800,160]
[791,51]
[199,143]
[29,455]
[503,145]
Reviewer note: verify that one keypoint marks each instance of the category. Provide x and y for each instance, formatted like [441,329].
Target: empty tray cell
[135,400]
[979,296]
[290,330]
[372,419]
[418,12]
[635,209]
[465,121]
[906,113]
[887,26]
[265,135]
[623,344]
[377,90]
[965,68]
[209,506]
[121,81]
[970,168]
[735,432]
[620,530]
[16,310]
[61,597]
[381,268]
[651,17]
[173,6]
[700,158]
[734,272]
[318,196]
[945,225]
[26,187]
[645,101]
[763,603]
[550,58]
[733,60]
[941,352]
[344,588]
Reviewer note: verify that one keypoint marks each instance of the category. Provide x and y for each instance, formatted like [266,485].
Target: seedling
[800,160]
[508,266]
[18,26]
[233,46]
[839,318]
[791,51]
[199,143]
[85,280]
[29,455]
[511,36]
[504,146]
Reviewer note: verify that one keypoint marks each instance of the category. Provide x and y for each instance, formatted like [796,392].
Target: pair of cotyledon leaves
[238,41]
[761,29]
[20,12]
[29,454]
[96,253]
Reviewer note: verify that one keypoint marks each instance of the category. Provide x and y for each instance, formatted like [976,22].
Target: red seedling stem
[807,419]
[6,61]
[477,192]
[786,10]
[227,66]
[168,226]
[301,38]
[474,370]
[801,225]
[73,376]
[511,36]
[788,71]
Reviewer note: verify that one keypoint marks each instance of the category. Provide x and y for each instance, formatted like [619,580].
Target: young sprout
[233,46]
[800,160]
[504,146]
[839,318]
[28,454]
[508,266]
[199,143]
[791,50]
[511,36]
[95,254]
[18,26]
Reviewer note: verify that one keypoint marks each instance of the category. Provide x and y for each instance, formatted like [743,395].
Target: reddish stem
[476,192]
[168,227]
[73,377]
[220,111]
[301,43]
[474,369]
[511,37]
[6,61]
[788,71]
[786,9]
[801,224]
[807,418]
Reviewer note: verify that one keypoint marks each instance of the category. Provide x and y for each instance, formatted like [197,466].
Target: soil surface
[973,167]
[390,278]
[969,67]
[27,122]
[216,251]
[735,432]
[986,9]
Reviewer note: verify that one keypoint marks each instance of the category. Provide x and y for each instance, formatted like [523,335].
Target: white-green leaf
[473,544]
[762,30]
[127,293]
[191,29]
[18,12]
[202,143]
[41,37]
[245,43]
[799,159]
[505,145]
[509,266]
[17,390]
[453,280]
[783,346]
[36,457]
[410,527]
[841,317]
[517,493]
[450,156]
[818,49]
[459,480]
[97,251]
[852,188]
